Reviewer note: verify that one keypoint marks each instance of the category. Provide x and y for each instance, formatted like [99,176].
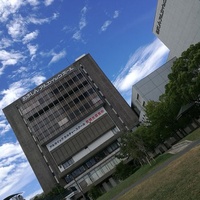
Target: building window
[68,163]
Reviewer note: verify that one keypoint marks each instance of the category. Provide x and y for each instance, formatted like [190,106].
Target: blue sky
[40,38]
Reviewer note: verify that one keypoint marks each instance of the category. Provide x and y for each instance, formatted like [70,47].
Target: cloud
[37,80]
[82,24]
[106,25]
[30,36]
[39,21]
[15,170]
[17,27]
[48,2]
[9,58]
[144,61]
[33,2]
[77,35]
[57,56]
[8,7]
[116,14]
[32,49]
[4,43]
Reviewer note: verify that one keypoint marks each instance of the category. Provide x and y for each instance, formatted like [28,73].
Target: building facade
[176,24]
[150,88]
[69,127]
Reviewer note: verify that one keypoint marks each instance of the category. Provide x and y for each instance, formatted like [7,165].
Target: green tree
[132,145]
[94,192]
[184,81]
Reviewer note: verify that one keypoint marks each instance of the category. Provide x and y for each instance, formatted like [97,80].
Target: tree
[184,81]
[132,145]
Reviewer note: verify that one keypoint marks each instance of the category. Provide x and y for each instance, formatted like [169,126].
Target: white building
[177,24]
[150,88]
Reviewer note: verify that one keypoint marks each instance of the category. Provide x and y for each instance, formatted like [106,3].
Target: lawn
[195,135]
[134,177]
[180,180]
[145,170]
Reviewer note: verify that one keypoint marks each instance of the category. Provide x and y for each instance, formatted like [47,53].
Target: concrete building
[177,24]
[69,127]
[150,88]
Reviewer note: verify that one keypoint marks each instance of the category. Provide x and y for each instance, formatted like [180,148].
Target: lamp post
[79,187]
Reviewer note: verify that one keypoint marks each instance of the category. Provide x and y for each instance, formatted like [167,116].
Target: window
[68,163]
[138,96]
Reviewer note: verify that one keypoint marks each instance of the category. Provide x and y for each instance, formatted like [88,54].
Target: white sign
[74,130]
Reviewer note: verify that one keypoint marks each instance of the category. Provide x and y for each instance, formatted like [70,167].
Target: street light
[77,185]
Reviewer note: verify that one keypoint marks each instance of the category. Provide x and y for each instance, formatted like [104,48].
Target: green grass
[180,180]
[146,169]
[195,135]
[134,177]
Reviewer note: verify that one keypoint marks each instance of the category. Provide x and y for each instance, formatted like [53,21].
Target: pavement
[178,150]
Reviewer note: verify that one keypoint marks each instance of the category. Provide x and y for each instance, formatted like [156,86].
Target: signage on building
[74,130]
[43,86]
[159,22]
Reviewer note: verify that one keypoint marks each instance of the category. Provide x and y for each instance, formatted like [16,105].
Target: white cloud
[106,25]
[33,2]
[30,36]
[4,43]
[144,61]
[48,2]
[82,24]
[37,80]
[57,56]
[32,49]
[8,7]
[17,27]
[9,58]
[77,35]
[116,14]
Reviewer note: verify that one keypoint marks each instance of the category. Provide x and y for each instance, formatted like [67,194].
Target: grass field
[195,135]
[146,169]
[180,180]
[134,177]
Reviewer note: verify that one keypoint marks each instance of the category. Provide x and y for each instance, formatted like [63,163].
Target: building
[150,88]
[176,24]
[69,127]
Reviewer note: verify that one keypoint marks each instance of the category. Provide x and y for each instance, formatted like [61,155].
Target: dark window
[87,106]
[81,97]
[75,78]
[61,88]
[70,92]
[70,82]
[60,98]
[75,89]
[35,115]
[31,118]
[77,112]
[65,85]
[72,116]
[71,104]
[91,91]
[79,75]
[55,91]
[66,107]
[41,112]
[76,100]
